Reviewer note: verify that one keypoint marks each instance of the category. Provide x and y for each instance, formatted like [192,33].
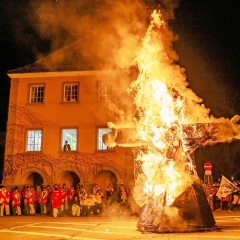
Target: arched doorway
[34,178]
[103,178]
[69,178]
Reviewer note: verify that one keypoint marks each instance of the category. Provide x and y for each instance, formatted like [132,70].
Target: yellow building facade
[48,108]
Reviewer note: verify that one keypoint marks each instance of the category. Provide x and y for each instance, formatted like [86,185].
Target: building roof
[70,58]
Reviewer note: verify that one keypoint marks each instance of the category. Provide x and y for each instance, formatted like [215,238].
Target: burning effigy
[171,123]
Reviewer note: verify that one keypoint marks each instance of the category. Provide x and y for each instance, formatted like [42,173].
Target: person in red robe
[16,197]
[42,200]
[29,195]
[56,200]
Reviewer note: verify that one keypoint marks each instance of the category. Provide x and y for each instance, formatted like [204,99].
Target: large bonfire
[171,123]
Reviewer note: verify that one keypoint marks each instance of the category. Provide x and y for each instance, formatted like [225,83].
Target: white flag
[226,187]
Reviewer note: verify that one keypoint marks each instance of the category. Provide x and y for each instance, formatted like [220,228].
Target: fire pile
[167,186]
[171,123]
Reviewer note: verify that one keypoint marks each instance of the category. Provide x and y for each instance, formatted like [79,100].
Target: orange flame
[162,109]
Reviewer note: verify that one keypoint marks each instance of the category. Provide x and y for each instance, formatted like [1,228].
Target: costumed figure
[83,206]
[56,201]
[99,201]
[1,203]
[109,196]
[29,196]
[82,192]
[64,204]
[42,200]
[16,197]
[91,204]
[6,195]
[123,195]
[75,206]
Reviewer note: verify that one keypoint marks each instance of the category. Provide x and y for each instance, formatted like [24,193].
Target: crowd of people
[228,202]
[60,200]
[75,201]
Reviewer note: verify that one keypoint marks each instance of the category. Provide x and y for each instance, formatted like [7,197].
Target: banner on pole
[226,187]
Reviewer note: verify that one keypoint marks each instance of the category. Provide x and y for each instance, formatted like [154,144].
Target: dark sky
[208,48]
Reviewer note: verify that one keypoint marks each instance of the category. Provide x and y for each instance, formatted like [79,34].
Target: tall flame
[163,102]
[171,122]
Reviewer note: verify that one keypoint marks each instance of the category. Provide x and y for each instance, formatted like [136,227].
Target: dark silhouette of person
[66,146]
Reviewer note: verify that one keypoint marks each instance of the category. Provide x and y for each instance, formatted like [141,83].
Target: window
[100,133]
[36,93]
[34,140]
[104,91]
[70,93]
[69,135]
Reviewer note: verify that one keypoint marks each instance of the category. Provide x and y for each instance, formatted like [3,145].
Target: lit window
[104,91]
[70,92]
[69,135]
[36,93]
[100,133]
[34,140]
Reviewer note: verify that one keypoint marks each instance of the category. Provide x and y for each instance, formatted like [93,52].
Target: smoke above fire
[96,35]
[104,34]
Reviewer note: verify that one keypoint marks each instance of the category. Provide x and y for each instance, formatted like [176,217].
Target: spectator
[76,206]
[234,202]
[99,202]
[110,196]
[225,202]
[66,146]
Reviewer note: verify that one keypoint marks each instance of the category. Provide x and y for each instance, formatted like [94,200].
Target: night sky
[208,48]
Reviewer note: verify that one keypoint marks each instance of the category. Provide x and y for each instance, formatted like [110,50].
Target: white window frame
[36,93]
[100,132]
[69,134]
[34,140]
[71,94]
[104,91]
